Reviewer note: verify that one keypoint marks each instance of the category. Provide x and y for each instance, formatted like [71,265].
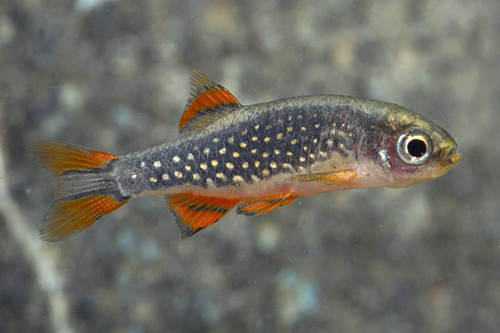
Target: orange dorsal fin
[194,213]
[208,101]
[60,157]
[69,217]
[263,205]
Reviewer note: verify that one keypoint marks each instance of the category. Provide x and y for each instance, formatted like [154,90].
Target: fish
[253,157]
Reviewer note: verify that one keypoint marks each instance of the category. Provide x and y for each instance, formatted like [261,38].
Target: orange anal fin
[60,157]
[208,96]
[258,206]
[69,217]
[194,212]
[332,178]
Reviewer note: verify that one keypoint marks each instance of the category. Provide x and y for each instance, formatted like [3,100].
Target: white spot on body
[273,165]
[153,180]
[265,154]
[243,145]
[279,136]
[237,178]
[143,164]
[254,178]
[220,175]
[265,172]
[294,141]
[190,157]
[134,176]
[245,165]
[215,140]
[230,166]
[176,159]
[256,163]
[222,151]
[188,168]
[230,140]
[203,166]
[206,151]
[157,164]
[236,154]
[214,163]
[196,176]
[266,139]
[165,177]
[254,138]
[178,174]
[276,152]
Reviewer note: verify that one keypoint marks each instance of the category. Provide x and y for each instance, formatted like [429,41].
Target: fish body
[256,157]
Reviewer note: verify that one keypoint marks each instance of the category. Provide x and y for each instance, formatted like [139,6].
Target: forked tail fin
[86,188]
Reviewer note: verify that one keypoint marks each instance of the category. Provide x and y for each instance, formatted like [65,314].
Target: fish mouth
[449,159]
[446,164]
[454,159]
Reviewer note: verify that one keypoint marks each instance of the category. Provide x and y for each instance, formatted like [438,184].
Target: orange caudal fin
[86,189]
[258,206]
[59,157]
[194,213]
[70,216]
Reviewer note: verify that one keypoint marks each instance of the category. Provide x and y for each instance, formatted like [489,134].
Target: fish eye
[414,147]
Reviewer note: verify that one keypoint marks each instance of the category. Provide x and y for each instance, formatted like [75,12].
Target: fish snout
[450,157]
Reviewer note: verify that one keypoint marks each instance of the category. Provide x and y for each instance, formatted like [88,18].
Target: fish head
[406,148]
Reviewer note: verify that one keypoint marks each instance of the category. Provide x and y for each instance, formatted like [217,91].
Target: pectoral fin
[332,178]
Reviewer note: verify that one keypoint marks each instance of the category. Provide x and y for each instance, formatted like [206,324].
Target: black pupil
[417,148]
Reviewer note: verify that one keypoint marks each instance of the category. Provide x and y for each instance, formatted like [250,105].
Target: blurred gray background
[113,76]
